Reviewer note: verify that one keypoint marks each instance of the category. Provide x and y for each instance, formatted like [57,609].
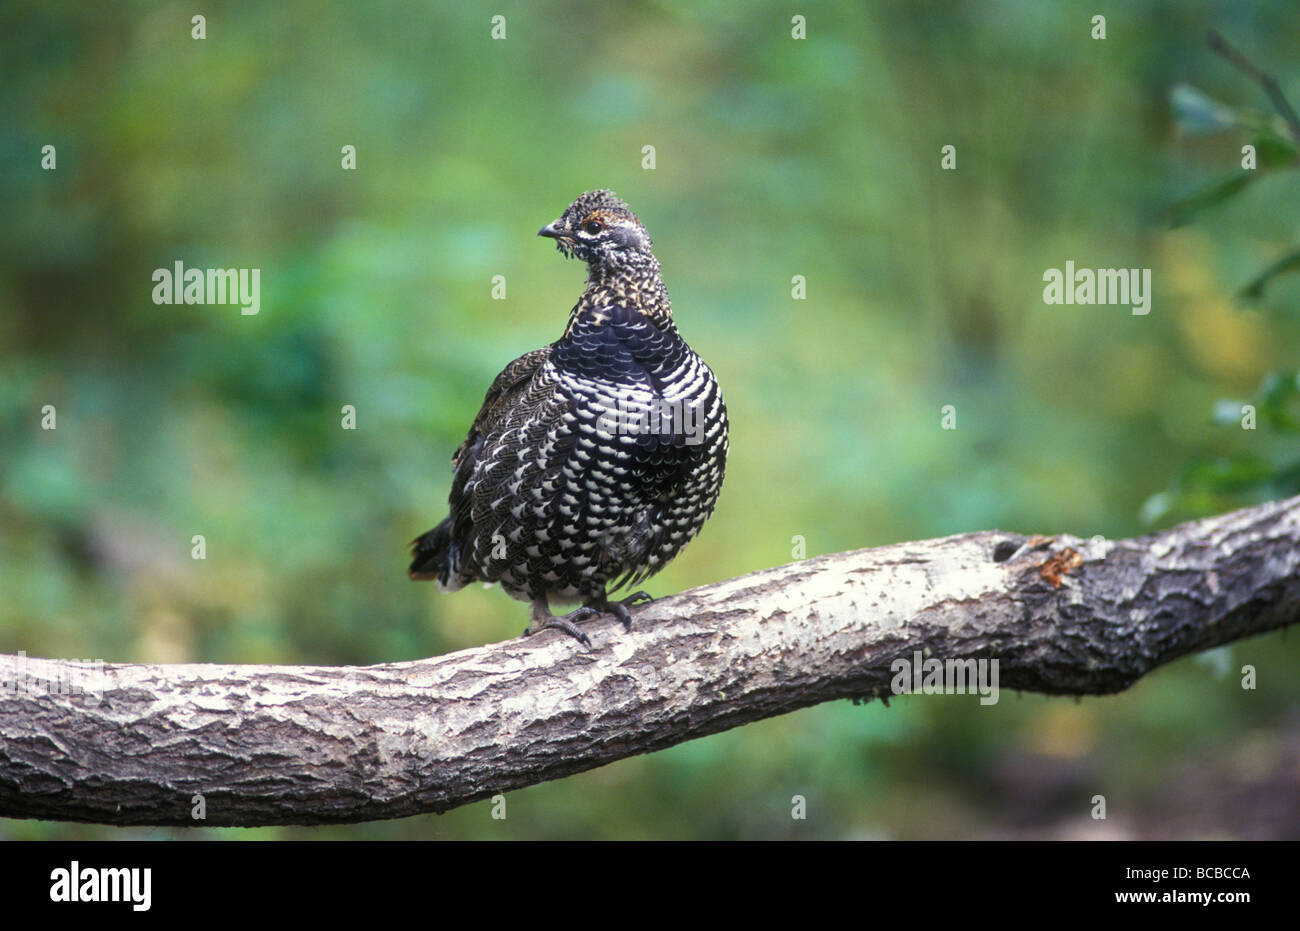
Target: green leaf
[1274,150]
[1226,475]
[1277,397]
[1286,481]
[1217,191]
[1285,265]
[1205,486]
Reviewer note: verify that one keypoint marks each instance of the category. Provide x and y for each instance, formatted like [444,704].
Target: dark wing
[499,396]
[512,399]
[438,553]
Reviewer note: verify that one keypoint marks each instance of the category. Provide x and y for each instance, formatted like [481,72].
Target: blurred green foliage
[1208,481]
[775,158]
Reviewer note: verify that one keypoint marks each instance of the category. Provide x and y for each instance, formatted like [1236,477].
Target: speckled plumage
[567,486]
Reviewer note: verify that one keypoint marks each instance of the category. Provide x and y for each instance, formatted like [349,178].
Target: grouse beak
[550,231]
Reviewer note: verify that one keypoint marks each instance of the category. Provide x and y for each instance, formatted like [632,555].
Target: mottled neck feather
[636,285]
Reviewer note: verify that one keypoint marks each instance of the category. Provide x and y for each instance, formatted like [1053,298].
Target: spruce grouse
[595,459]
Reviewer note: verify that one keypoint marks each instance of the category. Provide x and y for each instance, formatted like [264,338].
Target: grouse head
[602,231]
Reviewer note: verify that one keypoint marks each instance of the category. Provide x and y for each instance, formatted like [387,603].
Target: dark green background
[775,158]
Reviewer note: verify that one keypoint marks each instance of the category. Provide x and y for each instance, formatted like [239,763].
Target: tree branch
[314,745]
[1265,80]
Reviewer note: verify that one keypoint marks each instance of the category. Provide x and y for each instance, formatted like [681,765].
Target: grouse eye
[593,227]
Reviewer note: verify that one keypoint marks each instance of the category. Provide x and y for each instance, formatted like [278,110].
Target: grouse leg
[620,608]
[543,620]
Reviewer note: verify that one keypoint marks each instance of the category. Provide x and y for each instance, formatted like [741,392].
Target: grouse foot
[544,620]
[620,608]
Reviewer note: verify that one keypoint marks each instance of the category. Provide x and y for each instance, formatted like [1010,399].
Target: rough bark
[313,745]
